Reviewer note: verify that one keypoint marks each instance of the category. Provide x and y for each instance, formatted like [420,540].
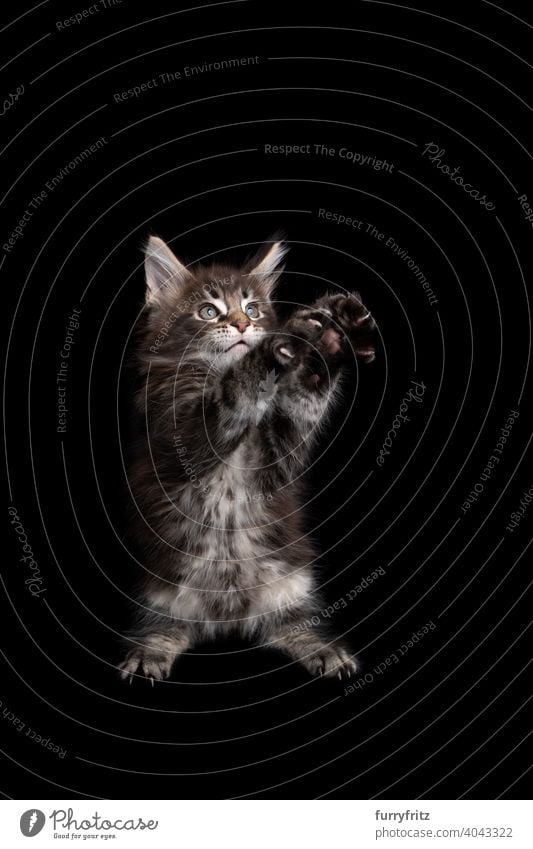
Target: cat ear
[269,268]
[163,271]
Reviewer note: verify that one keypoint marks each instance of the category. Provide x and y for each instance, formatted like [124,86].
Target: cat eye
[208,311]
[252,311]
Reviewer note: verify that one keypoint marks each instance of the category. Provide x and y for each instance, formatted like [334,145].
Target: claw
[286,353]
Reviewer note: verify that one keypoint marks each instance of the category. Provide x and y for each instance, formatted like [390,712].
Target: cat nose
[241,324]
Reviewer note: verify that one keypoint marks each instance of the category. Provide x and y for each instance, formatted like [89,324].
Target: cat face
[216,314]
[233,318]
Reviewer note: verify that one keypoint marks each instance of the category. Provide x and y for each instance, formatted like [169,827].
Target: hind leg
[292,631]
[156,645]
[316,653]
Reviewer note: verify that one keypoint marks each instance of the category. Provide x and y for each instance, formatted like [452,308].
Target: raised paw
[331,661]
[348,317]
[297,341]
[146,663]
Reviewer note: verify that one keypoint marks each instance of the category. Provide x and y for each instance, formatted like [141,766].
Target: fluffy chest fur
[227,573]
[230,502]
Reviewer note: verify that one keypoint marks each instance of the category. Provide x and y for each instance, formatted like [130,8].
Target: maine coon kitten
[232,404]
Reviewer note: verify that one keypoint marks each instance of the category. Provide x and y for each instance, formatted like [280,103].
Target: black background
[187,160]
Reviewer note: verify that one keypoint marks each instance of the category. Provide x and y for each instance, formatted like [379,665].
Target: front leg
[312,348]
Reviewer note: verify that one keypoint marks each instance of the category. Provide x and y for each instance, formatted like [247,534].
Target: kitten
[232,404]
